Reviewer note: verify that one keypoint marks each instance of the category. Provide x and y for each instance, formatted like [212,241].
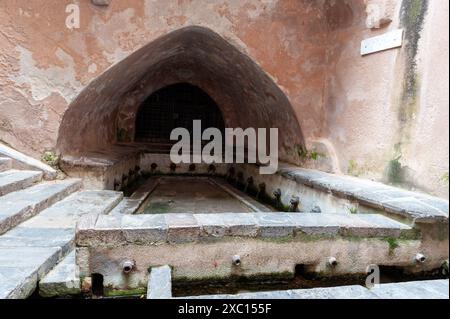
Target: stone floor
[191,195]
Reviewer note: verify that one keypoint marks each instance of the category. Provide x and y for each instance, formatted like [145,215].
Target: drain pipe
[420,258]
[236,259]
[295,202]
[332,262]
[127,266]
[444,268]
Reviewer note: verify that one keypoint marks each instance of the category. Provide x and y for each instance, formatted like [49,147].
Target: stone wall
[373,116]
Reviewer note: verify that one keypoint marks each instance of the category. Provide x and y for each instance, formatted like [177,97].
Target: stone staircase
[37,225]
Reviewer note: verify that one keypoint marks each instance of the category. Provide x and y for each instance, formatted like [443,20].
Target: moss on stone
[395,171]
[50,158]
[393,243]
[157,208]
[125,292]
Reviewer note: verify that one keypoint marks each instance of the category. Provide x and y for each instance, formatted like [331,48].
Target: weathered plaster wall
[60,62]
[387,113]
[356,107]
[246,96]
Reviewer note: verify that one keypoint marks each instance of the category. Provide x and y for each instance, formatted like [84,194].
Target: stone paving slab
[182,228]
[144,229]
[275,224]
[39,237]
[345,292]
[5,164]
[160,283]
[16,283]
[52,231]
[22,267]
[19,206]
[14,180]
[433,289]
[415,206]
[227,224]
[63,280]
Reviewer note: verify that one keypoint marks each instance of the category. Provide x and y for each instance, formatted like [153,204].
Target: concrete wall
[354,107]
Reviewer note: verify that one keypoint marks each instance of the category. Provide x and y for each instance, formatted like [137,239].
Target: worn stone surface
[18,206]
[145,229]
[160,283]
[200,195]
[433,289]
[27,161]
[182,228]
[39,237]
[5,164]
[415,209]
[413,206]
[347,292]
[228,224]
[14,180]
[63,280]
[274,224]
[33,249]
[22,267]
[66,213]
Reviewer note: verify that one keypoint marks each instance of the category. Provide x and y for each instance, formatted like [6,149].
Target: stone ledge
[432,289]
[100,160]
[414,206]
[28,162]
[113,230]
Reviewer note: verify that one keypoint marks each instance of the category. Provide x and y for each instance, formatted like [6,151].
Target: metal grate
[175,106]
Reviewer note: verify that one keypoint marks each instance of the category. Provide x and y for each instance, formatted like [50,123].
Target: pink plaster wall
[309,48]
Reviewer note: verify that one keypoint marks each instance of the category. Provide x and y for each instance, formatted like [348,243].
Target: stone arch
[245,94]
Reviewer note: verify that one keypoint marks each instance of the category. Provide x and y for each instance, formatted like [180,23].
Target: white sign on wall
[389,40]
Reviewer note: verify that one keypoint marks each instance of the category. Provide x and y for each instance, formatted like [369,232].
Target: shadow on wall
[244,93]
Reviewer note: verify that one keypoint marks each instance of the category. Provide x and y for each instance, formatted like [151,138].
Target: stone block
[160,283]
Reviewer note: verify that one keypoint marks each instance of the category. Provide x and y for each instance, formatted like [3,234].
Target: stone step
[14,180]
[22,267]
[63,280]
[18,206]
[5,164]
[52,229]
[432,289]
